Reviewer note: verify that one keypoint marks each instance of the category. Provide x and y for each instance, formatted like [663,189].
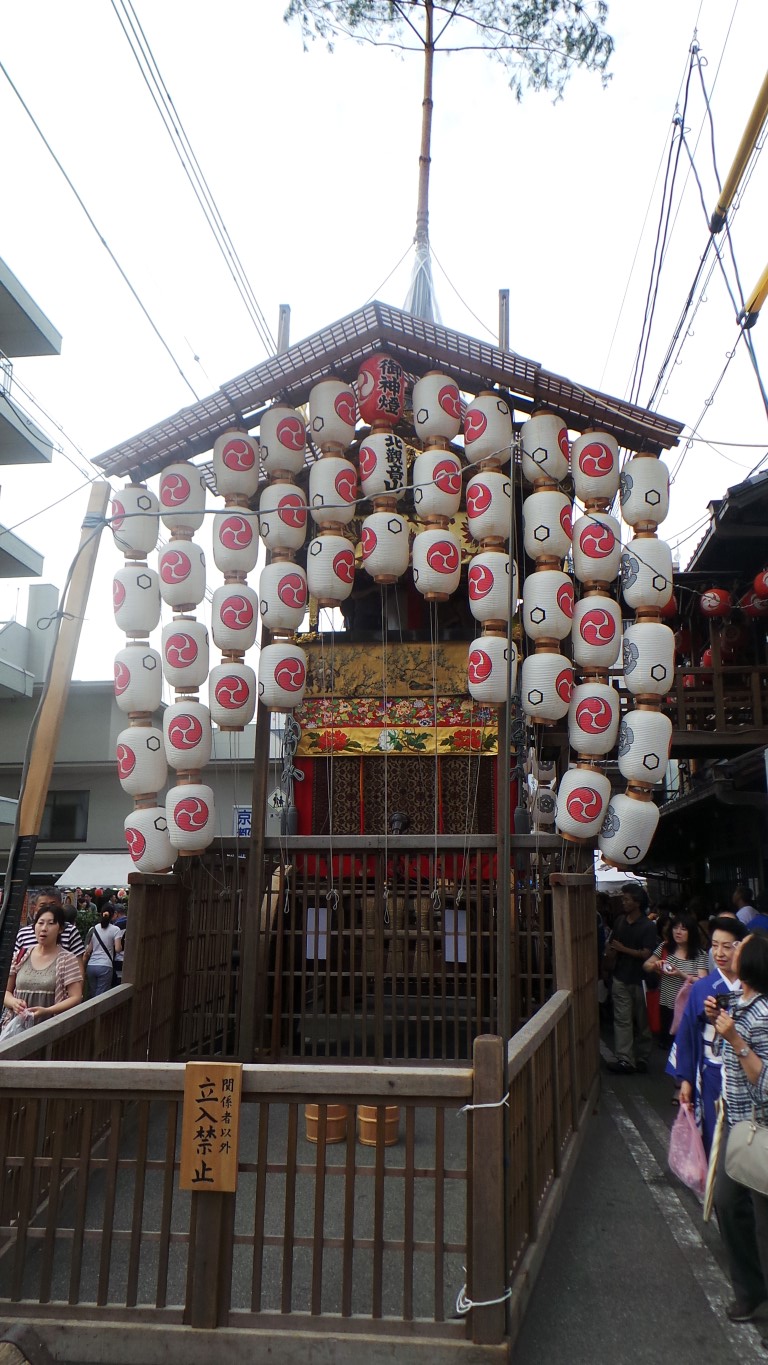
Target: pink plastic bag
[687,1158]
[681,1000]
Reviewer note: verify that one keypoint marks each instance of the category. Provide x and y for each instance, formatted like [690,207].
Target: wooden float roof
[418,346]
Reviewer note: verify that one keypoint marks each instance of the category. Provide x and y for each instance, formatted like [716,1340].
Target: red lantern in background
[706,659]
[690,681]
[752,604]
[715,602]
[669,610]
[683,641]
[733,639]
[760,584]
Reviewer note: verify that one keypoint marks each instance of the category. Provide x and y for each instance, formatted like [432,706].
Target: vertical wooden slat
[166,1207]
[533,1165]
[378,1215]
[289,1221]
[57,1115]
[348,1250]
[409,1191]
[439,1214]
[82,1177]
[319,1213]
[110,1192]
[137,1220]
[26,1188]
[486,1268]
[210,1260]
[259,1208]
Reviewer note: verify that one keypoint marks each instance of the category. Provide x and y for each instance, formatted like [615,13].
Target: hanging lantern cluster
[593,714]
[234,610]
[141,762]
[548,600]
[648,663]
[542,797]
[185,653]
[283,592]
[382,462]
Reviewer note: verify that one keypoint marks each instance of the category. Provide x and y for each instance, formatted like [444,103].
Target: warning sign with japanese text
[210,1126]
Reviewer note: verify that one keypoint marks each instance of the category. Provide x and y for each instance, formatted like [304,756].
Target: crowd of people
[55,965]
[711,974]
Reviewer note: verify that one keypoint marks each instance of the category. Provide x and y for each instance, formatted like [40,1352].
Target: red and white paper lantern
[187,735]
[191,817]
[595,467]
[380,390]
[548,604]
[544,444]
[596,548]
[282,517]
[181,570]
[596,631]
[546,685]
[235,539]
[492,669]
[135,520]
[141,765]
[232,695]
[382,465]
[236,464]
[436,483]
[648,658]
[332,413]
[282,442]
[185,653]
[593,718]
[547,524]
[136,599]
[715,602]
[488,586]
[489,507]
[488,429]
[235,614]
[644,492]
[385,547]
[138,679]
[282,676]
[333,491]
[436,407]
[282,596]
[182,497]
[330,568]
[582,800]
[146,835]
[627,830]
[436,563]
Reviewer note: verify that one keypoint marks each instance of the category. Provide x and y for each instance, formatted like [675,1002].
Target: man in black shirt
[634,939]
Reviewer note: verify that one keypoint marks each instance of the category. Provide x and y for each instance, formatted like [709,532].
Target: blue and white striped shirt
[751,1022]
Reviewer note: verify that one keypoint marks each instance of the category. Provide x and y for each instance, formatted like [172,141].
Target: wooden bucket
[367,1124]
[335,1126]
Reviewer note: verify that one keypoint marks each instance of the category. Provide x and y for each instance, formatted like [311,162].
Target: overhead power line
[152,77]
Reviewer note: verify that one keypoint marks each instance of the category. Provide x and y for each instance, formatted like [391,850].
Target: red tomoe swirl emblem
[290,674]
[236,612]
[118,514]
[292,590]
[597,627]
[447,477]
[292,512]
[478,499]
[449,400]
[231,692]
[118,593]
[566,520]
[290,433]
[480,581]
[597,541]
[180,650]
[368,541]
[475,423]
[479,666]
[345,484]
[126,760]
[238,455]
[344,566]
[593,715]
[174,490]
[235,533]
[443,556]
[367,460]
[136,842]
[122,677]
[185,731]
[344,405]
[583,804]
[564,684]
[191,814]
[175,566]
[562,441]
[565,599]
[596,460]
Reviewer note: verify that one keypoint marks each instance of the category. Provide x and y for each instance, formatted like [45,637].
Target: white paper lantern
[593,718]
[141,765]
[644,491]
[645,737]
[489,506]
[332,412]
[627,830]
[488,586]
[543,807]
[547,518]
[596,548]
[488,429]
[235,615]
[548,605]
[282,517]
[436,483]
[330,568]
[436,406]
[235,540]
[282,441]
[185,652]
[182,497]
[648,658]
[191,817]
[646,574]
[595,467]
[236,464]
[138,679]
[436,562]
[382,465]
[187,735]
[135,520]
[596,631]
[385,546]
[544,442]
[491,659]
[582,800]
[546,685]
[146,834]
[333,491]
[282,595]
[544,770]
[232,695]
[282,676]
[181,569]
[136,599]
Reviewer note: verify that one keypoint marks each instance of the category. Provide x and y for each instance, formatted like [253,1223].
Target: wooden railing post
[209,1275]
[487,1274]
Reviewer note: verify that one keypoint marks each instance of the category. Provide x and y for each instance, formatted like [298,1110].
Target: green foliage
[539,42]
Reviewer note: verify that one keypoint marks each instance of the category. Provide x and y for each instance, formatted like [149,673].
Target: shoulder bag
[110,955]
[746,1155]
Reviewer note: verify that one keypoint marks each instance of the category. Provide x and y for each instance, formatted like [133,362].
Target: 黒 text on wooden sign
[210,1126]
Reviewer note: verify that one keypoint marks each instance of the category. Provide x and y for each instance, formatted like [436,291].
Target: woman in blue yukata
[691,1060]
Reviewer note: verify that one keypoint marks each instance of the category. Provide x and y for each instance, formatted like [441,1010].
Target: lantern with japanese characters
[380,391]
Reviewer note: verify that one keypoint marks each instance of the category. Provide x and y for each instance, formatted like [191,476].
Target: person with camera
[742,1035]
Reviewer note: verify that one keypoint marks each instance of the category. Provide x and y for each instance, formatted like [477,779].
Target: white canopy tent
[610,879]
[98,869]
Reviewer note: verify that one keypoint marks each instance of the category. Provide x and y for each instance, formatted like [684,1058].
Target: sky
[312,159]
